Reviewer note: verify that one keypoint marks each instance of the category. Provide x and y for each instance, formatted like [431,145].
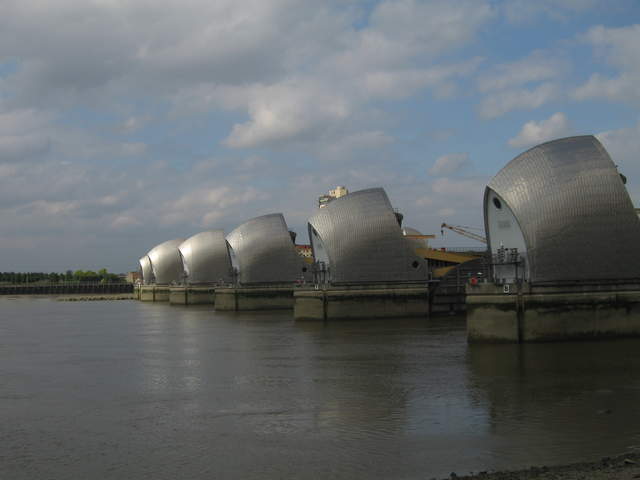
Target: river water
[125,390]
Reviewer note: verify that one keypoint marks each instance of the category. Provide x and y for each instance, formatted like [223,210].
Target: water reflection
[129,390]
[558,402]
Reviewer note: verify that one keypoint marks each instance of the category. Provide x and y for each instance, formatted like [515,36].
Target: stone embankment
[624,467]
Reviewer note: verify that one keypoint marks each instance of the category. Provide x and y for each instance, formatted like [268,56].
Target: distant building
[337,192]
[133,277]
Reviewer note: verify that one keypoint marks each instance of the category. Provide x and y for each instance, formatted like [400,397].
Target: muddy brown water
[116,390]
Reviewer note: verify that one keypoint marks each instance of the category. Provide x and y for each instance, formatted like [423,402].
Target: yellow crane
[459,229]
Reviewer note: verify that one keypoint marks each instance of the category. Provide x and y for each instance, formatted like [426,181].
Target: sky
[127,123]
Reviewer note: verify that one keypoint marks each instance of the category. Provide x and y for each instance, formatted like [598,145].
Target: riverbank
[623,467]
[75,298]
[95,298]
[80,297]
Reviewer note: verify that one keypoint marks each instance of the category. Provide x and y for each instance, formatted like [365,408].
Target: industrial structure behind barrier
[565,245]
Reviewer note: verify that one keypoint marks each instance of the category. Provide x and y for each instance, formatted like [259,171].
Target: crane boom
[461,231]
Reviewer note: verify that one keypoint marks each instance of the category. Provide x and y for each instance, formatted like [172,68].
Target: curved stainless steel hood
[205,258]
[146,270]
[563,202]
[359,237]
[264,251]
[166,262]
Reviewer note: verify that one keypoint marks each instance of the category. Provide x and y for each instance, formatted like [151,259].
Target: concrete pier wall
[551,313]
[254,298]
[448,300]
[154,293]
[361,302]
[192,295]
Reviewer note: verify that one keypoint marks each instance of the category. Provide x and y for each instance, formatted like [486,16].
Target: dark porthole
[497,203]
[415,264]
[304,269]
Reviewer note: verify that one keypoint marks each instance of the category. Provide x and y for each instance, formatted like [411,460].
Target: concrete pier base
[192,295]
[525,313]
[254,298]
[154,293]
[361,302]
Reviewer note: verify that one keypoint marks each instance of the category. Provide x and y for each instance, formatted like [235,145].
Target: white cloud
[294,67]
[624,145]
[208,203]
[618,47]
[523,11]
[22,147]
[17,122]
[132,124]
[288,112]
[431,27]
[124,222]
[536,67]
[23,135]
[345,147]
[464,189]
[453,200]
[133,149]
[621,88]
[533,133]
[449,164]
[447,212]
[499,103]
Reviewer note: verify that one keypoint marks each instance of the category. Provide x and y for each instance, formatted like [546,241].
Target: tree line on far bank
[79,276]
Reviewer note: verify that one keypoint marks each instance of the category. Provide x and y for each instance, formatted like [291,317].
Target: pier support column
[254,298]
[192,295]
[496,313]
[362,302]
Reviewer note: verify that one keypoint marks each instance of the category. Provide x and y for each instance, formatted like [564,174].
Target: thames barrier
[561,261]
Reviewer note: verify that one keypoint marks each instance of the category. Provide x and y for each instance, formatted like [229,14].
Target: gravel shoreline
[623,467]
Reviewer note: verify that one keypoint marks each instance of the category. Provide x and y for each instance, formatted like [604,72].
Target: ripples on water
[130,390]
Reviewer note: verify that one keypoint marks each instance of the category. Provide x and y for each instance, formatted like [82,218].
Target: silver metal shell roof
[166,262]
[146,270]
[360,236]
[574,211]
[205,258]
[265,252]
